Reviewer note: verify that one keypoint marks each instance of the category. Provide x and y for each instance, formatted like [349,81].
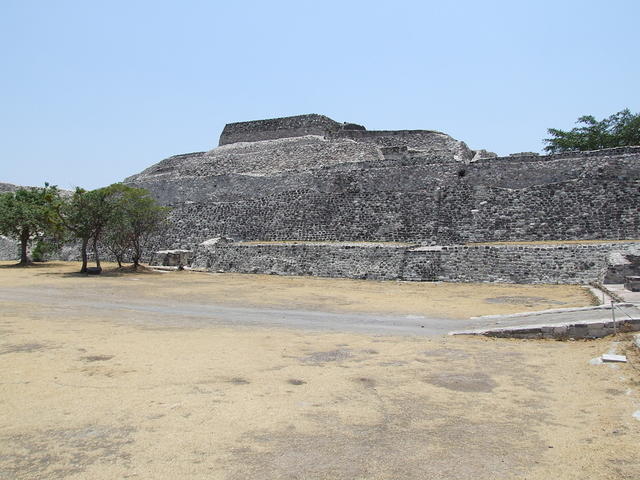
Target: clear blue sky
[92,92]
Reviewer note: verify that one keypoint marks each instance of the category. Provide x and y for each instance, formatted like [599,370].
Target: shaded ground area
[101,394]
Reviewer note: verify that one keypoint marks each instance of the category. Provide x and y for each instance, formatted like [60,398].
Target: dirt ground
[437,299]
[87,394]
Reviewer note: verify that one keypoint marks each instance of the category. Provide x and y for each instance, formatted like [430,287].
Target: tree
[116,240]
[135,219]
[618,130]
[27,214]
[86,215]
[46,246]
[123,217]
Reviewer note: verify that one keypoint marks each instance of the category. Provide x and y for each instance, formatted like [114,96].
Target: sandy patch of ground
[90,394]
[84,397]
[442,300]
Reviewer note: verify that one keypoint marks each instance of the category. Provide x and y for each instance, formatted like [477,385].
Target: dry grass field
[93,393]
[442,300]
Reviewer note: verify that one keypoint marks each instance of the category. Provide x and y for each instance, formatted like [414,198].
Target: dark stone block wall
[421,200]
[373,262]
[559,264]
[9,248]
[436,143]
[272,128]
[350,184]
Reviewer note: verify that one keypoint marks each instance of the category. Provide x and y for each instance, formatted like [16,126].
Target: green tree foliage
[86,215]
[46,246]
[116,239]
[135,219]
[27,214]
[618,130]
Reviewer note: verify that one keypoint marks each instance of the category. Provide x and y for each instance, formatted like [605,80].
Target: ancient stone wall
[422,199]
[272,128]
[559,264]
[568,263]
[428,141]
[8,187]
[309,178]
[348,260]
[9,249]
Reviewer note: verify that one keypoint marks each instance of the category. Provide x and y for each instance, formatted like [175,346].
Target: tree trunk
[83,250]
[136,255]
[119,260]
[95,251]
[24,243]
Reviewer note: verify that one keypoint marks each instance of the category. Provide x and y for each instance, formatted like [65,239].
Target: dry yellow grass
[442,300]
[97,394]
[88,396]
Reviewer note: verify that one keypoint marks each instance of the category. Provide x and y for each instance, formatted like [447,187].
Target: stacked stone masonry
[556,264]
[9,248]
[310,178]
[258,130]
[310,188]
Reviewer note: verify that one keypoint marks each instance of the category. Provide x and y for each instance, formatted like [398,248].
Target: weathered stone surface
[272,128]
[632,283]
[576,331]
[341,189]
[8,187]
[560,264]
[349,260]
[622,264]
[311,179]
[8,248]
[171,258]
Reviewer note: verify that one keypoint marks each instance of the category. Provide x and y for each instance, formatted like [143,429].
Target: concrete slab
[556,329]
[608,357]
[627,295]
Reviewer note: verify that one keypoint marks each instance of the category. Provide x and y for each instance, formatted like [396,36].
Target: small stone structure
[632,283]
[286,127]
[623,264]
[171,258]
[575,330]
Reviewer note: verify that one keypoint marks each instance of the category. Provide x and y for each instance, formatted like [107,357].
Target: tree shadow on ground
[49,269]
[112,272]
[29,265]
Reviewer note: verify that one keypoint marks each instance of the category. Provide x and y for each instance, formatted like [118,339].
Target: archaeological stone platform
[534,264]
[310,178]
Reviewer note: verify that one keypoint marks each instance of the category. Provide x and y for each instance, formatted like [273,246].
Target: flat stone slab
[553,310]
[609,357]
[576,330]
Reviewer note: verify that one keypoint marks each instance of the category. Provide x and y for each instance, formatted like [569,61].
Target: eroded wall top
[284,127]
